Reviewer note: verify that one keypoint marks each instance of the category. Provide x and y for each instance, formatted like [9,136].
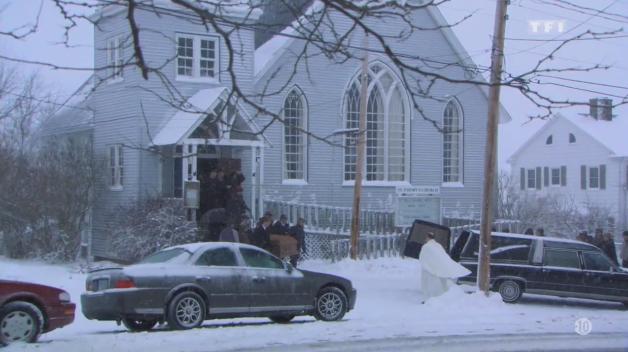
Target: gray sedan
[185,285]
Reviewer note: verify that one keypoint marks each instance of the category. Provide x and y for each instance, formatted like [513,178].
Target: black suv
[544,265]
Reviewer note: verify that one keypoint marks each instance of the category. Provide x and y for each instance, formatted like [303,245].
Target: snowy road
[610,342]
[388,311]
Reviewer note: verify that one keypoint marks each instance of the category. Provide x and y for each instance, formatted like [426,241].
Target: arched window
[452,143]
[549,140]
[572,138]
[295,142]
[386,127]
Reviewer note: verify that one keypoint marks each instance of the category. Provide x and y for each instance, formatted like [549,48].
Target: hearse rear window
[561,258]
[596,261]
[504,249]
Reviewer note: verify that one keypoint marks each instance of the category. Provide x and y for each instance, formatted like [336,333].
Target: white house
[584,157]
[152,147]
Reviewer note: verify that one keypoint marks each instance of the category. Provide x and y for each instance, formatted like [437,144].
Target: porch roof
[199,107]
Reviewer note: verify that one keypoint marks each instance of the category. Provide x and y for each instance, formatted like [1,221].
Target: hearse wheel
[137,325]
[510,291]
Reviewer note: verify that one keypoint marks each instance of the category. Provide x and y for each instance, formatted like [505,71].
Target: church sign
[420,202]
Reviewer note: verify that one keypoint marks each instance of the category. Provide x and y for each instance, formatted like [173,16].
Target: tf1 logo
[546,26]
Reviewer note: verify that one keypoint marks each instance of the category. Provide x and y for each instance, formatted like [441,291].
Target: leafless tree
[333,29]
[46,184]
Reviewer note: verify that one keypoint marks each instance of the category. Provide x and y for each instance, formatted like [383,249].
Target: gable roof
[74,115]
[196,110]
[609,134]
[275,47]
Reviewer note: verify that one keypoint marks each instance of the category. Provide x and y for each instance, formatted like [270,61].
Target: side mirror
[289,268]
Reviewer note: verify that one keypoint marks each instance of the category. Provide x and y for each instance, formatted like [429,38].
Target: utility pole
[359,163]
[490,156]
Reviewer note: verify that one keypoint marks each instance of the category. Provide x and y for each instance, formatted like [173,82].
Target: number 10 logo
[583,326]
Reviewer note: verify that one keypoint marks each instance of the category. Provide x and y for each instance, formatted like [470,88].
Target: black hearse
[544,265]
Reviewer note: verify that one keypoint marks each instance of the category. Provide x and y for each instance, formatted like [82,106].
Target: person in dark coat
[598,240]
[529,231]
[281,226]
[260,236]
[298,233]
[608,247]
[221,189]
[624,250]
[235,180]
[229,234]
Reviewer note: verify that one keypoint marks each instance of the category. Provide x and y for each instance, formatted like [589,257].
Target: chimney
[601,108]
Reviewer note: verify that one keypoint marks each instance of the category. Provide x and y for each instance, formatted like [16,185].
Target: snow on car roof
[193,247]
[532,237]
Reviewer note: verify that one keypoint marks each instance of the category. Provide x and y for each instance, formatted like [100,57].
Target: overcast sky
[474,33]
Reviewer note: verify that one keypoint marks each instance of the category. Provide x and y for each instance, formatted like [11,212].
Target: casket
[283,246]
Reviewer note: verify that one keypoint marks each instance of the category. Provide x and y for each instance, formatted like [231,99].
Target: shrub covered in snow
[142,228]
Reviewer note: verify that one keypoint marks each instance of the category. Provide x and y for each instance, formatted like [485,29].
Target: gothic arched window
[386,127]
[295,141]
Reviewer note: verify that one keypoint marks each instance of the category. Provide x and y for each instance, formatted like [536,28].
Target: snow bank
[389,305]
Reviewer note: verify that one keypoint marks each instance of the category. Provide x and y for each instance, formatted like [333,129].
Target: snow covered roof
[611,134]
[275,46]
[185,120]
[74,114]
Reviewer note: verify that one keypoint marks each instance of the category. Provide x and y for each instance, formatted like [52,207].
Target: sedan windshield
[168,255]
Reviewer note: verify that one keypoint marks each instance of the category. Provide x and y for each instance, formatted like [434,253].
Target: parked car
[544,265]
[28,310]
[185,285]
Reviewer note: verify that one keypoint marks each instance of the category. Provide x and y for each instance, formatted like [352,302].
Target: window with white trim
[115,58]
[555,177]
[532,178]
[452,143]
[116,166]
[594,177]
[295,141]
[197,57]
[387,117]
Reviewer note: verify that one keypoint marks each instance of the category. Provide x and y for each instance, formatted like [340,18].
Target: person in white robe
[437,269]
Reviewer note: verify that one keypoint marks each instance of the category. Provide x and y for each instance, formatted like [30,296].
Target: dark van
[544,265]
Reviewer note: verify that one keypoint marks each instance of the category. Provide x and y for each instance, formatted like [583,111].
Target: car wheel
[282,319]
[139,324]
[331,304]
[186,311]
[510,291]
[20,321]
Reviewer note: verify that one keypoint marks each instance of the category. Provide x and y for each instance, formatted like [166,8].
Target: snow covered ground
[388,306]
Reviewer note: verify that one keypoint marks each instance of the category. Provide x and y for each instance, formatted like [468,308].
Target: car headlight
[64,297]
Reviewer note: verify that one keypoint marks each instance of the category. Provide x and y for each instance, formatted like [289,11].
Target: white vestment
[437,269]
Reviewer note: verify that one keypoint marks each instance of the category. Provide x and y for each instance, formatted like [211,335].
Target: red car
[28,310]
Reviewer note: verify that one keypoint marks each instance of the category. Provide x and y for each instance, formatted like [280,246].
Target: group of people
[223,204]
[218,187]
[604,241]
[266,227]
